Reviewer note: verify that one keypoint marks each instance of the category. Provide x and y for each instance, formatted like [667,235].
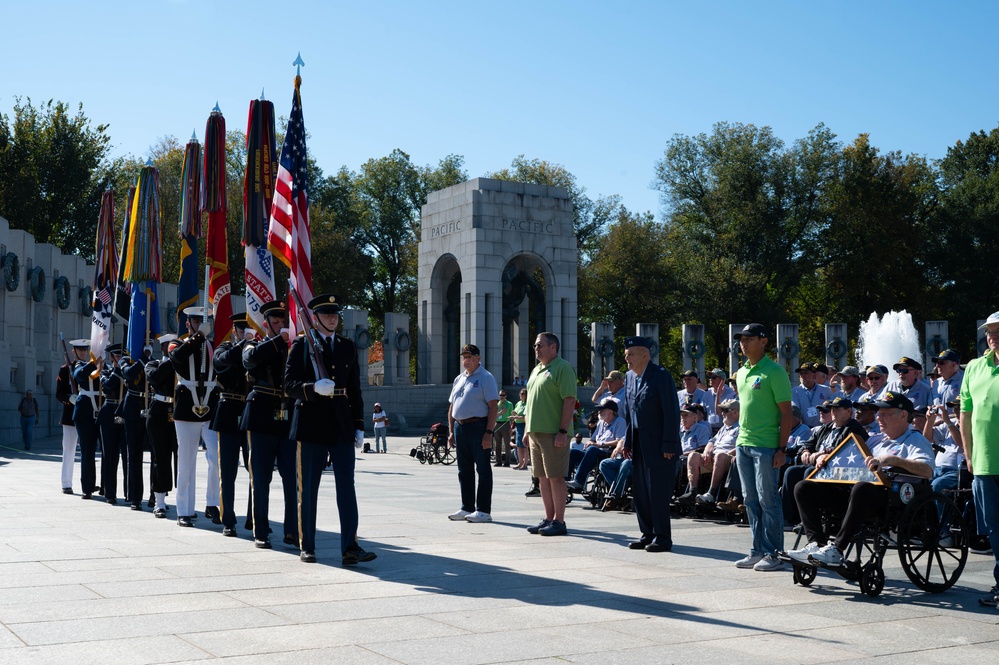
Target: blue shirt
[919,393]
[694,438]
[697,397]
[809,400]
[471,394]
[949,390]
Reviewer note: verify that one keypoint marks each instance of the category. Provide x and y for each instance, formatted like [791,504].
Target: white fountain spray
[883,341]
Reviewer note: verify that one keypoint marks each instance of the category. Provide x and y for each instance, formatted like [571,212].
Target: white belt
[163,398]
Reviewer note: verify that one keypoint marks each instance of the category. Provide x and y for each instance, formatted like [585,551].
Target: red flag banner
[288,237]
[213,200]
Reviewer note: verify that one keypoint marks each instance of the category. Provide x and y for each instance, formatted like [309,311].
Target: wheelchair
[433,446]
[930,537]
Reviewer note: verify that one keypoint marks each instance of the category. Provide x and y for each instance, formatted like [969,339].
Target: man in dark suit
[265,420]
[328,422]
[653,440]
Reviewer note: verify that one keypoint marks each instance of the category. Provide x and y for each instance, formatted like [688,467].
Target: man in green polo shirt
[764,427]
[980,430]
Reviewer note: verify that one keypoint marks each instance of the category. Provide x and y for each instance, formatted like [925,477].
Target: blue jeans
[759,489]
[27,430]
[473,458]
[616,472]
[380,436]
[986,492]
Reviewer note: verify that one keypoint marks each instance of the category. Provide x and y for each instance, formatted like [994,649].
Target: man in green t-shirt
[764,427]
[551,403]
[501,435]
[980,430]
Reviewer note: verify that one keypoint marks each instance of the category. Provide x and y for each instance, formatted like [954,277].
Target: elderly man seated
[610,430]
[694,436]
[718,454]
[616,471]
[899,448]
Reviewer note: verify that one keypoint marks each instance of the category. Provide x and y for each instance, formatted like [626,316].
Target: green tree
[965,238]
[54,166]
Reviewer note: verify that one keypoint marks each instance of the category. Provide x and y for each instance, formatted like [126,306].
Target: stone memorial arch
[497,265]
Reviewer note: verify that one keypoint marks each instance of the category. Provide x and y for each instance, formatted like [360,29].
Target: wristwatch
[489,431]
[562,431]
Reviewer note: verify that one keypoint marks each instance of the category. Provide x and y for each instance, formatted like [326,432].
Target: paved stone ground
[83,582]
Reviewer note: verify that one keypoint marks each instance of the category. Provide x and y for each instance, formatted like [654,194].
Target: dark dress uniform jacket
[328,420]
[86,406]
[183,402]
[135,384]
[265,364]
[228,364]
[160,377]
[64,388]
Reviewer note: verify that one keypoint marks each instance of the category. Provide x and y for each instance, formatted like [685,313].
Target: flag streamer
[258,195]
[105,277]
[214,201]
[144,260]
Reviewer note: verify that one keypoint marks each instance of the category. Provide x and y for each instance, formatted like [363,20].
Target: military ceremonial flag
[288,237]
[143,265]
[190,230]
[213,201]
[258,195]
[105,275]
[123,290]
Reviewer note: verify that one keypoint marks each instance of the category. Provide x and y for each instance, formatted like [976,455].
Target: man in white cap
[194,399]
[85,414]
[980,429]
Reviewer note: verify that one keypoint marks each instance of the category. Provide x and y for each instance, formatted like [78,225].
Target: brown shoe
[729,504]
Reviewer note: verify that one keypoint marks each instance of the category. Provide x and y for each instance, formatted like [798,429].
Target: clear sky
[599,87]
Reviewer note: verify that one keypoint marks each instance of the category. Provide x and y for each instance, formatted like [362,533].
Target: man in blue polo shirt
[472,418]
[948,387]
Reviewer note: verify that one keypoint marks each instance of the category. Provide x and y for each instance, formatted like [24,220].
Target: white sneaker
[769,563]
[459,516]
[479,516]
[706,499]
[829,555]
[946,541]
[749,561]
[802,554]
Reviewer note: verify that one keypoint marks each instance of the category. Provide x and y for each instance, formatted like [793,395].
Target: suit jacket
[265,362]
[228,364]
[651,400]
[183,400]
[320,419]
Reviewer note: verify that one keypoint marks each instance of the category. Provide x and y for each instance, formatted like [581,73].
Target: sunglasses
[872,377]
[903,372]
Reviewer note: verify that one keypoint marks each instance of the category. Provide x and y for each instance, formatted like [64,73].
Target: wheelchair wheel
[423,451]
[598,490]
[931,562]
[872,580]
[804,575]
[445,454]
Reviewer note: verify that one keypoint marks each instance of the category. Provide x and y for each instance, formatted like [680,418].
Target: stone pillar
[787,345]
[601,351]
[836,346]
[650,330]
[355,327]
[735,357]
[396,345]
[937,342]
[693,348]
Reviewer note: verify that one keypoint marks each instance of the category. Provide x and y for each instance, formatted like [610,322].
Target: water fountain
[883,341]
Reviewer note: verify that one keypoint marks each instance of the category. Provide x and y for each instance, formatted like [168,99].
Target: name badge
[813,412]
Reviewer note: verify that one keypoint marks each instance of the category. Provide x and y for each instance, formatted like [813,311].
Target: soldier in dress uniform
[328,418]
[110,423]
[85,414]
[132,410]
[266,421]
[194,399]
[160,380]
[231,378]
[66,395]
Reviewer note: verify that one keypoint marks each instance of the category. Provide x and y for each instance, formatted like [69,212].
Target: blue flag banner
[847,464]
[187,286]
[144,314]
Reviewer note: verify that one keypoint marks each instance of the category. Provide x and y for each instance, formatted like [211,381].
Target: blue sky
[597,87]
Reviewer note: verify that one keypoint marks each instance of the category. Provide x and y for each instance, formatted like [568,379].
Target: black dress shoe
[159,513]
[151,502]
[137,506]
[229,531]
[212,513]
[307,557]
[67,490]
[290,539]
[658,547]
[639,544]
[112,502]
[357,555]
[264,544]
[184,521]
[86,496]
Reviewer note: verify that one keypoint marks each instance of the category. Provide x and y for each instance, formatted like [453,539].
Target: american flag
[104,296]
[288,236]
[847,464]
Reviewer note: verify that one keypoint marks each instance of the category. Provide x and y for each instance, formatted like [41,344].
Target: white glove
[73,398]
[358,438]
[249,334]
[123,362]
[324,387]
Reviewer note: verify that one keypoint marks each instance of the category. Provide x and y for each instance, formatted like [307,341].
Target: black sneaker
[534,491]
[991,599]
[356,555]
[539,526]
